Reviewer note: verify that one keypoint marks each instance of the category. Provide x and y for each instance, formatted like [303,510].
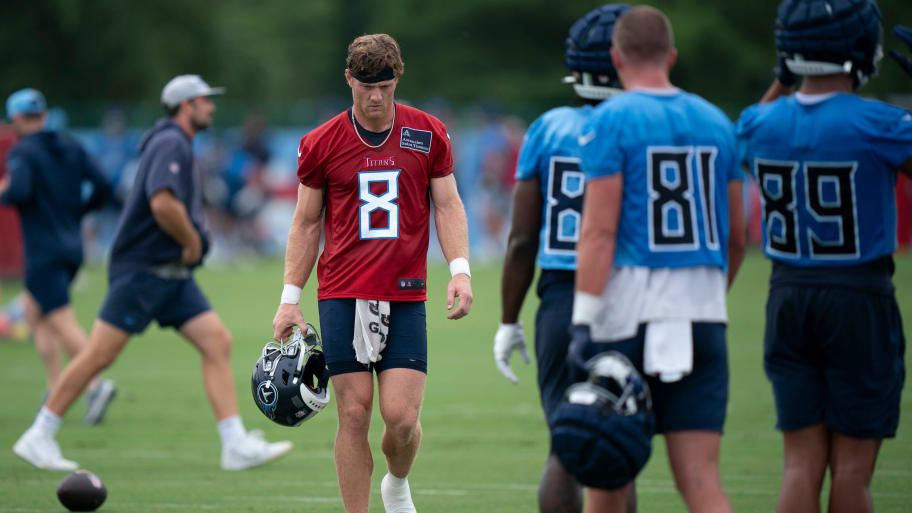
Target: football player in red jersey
[369,176]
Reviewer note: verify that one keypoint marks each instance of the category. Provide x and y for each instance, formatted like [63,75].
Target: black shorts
[49,284]
[406,346]
[835,356]
[552,336]
[135,299]
[699,400]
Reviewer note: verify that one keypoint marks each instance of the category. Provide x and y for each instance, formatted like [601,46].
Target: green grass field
[484,439]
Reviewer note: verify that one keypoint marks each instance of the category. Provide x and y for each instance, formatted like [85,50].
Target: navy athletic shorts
[49,284]
[834,356]
[406,346]
[552,336]
[135,299]
[699,400]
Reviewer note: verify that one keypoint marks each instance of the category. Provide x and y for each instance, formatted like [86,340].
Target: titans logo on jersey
[677,154]
[550,152]
[826,167]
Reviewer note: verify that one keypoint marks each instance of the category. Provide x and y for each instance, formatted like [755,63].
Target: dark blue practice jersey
[677,154]
[166,162]
[550,152]
[826,166]
[53,183]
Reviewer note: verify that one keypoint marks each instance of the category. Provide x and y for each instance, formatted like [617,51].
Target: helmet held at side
[602,430]
[290,383]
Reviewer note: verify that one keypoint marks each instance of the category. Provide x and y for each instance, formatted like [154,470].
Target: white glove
[509,337]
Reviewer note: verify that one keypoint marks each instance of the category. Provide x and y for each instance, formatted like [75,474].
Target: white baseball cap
[187,87]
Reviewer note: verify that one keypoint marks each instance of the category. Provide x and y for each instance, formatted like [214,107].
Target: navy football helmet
[290,383]
[602,430]
[588,53]
[825,37]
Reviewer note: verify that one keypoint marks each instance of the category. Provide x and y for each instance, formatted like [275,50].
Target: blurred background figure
[52,182]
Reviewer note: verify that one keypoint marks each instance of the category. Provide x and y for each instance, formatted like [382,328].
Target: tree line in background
[286,57]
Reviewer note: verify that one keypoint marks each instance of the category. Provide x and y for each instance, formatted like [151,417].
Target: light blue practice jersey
[677,154]
[550,152]
[827,172]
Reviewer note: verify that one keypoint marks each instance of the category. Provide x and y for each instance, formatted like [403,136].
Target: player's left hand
[459,294]
[4,183]
[509,338]
[905,34]
[580,339]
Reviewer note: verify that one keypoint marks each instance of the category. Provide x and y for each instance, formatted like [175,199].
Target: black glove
[905,34]
[784,75]
[580,339]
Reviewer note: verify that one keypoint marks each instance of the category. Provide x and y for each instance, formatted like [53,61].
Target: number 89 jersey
[377,204]
[550,151]
[676,152]
[826,167]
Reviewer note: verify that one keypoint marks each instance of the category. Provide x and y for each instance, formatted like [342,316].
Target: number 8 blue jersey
[826,167]
[550,152]
[677,154]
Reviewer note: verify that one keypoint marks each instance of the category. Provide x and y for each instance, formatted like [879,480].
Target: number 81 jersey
[377,204]
[676,152]
[826,168]
[550,151]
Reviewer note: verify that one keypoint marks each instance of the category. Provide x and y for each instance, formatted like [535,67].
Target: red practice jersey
[377,204]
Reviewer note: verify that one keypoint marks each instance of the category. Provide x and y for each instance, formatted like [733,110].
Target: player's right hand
[286,318]
[192,252]
[509,338]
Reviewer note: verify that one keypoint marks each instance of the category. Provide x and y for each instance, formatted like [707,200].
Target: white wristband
[586,308]
[459,266]
[291,294]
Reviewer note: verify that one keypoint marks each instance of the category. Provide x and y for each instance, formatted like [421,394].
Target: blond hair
[370,54]
[643,34]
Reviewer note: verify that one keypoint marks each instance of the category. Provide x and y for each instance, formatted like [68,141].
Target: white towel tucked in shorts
[371,329]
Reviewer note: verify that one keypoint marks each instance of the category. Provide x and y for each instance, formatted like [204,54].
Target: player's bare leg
[694,459]
[45,343]
[806,455]
[401,394]
[104,346]
[211,338]
[558,491]
[38,444]
[608,501]
[851,469]
[354,394]
[69,333]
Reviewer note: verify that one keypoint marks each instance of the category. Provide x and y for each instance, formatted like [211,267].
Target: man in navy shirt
[52,183]
[159,240]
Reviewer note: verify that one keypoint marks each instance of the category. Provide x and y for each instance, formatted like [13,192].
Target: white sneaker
[251,450]
[396,499]
[42,451]
[98,401]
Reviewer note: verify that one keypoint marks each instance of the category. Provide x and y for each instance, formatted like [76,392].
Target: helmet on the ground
[588,53]
[290,383]
[602,430]
[825,37]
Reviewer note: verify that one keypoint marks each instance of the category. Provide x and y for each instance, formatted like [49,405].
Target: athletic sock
[231,429]
[47,422]
[396,483]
